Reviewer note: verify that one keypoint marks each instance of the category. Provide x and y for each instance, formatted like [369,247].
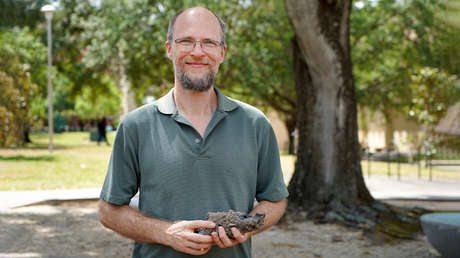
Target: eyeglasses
[207,45]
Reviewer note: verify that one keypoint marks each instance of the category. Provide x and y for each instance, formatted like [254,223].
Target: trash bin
[443,232]
[93,134]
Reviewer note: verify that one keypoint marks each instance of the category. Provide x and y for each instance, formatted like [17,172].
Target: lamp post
[49,10]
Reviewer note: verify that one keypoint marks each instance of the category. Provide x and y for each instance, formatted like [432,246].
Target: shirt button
[197,140]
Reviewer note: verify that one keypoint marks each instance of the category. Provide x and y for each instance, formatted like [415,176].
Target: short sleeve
[270,182]
[122,179]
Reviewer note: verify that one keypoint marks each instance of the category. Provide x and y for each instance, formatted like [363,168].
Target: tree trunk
[327,184]
[389,128]
[328,173]
[364,127]
[123,84]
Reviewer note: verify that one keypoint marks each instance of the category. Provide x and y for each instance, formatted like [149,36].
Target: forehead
[197,23]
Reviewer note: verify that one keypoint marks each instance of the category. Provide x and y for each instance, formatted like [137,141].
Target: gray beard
[201,84]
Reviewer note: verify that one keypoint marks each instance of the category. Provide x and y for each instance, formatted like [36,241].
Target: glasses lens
[210,45]
[188,45]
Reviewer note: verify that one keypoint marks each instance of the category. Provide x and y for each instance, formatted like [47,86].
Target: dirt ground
[72,230]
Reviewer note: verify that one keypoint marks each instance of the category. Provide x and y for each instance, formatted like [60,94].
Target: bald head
[196,12]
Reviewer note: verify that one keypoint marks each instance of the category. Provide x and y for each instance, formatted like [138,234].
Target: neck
[195,103]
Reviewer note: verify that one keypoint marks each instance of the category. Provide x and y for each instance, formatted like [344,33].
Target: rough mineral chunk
[242,221]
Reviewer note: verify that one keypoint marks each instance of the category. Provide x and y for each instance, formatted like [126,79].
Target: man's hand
[273,211]
[182,238]
[223,241]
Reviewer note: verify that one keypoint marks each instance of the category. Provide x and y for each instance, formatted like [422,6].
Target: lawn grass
[407,170]
[381,168]
[75,163]
[78,163]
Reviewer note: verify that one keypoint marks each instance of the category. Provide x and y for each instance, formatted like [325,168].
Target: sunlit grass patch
[78,163]
[74,163]
[382,168]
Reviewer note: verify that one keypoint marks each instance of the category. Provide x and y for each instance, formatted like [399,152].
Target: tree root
[379,222]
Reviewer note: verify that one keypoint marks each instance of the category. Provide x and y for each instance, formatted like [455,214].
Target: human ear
[222,54]
[168,49]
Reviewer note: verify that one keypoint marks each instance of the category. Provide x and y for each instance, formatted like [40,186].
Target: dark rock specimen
[242,221]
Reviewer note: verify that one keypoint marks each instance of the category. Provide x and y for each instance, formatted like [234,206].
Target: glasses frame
[205,49]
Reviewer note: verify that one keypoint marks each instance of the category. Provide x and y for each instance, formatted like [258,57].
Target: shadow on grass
[41,146]
[44,146]
[27,158]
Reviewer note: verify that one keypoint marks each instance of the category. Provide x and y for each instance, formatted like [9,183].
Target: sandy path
[74,231]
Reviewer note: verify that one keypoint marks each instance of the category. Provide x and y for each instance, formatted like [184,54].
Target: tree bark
[389,128]
[328,173]
[328,184]
[124,84]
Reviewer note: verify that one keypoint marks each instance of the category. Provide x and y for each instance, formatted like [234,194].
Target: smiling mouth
[195,64]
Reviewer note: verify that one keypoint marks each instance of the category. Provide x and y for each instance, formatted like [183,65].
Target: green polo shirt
[183,176]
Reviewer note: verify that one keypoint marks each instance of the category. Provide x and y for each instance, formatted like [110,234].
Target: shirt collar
[166,103]
[167,106]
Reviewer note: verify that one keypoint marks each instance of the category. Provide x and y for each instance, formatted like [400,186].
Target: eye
[185,42]
[210,43]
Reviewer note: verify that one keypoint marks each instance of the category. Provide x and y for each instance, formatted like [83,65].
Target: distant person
[26,135]
[101,128]
[191,152]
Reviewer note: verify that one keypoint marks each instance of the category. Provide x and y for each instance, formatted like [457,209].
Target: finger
[193,248]
[200,251]
[198,238]
[224,238]
[204,250]
[194,251]
[197,246]
[193,224]
[238,236]
[216,238]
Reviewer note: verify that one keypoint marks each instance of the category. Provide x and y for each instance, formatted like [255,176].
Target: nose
[197,49]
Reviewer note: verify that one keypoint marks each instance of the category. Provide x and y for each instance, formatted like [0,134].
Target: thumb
[202,224]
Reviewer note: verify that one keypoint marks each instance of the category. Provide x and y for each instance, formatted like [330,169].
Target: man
[192,152]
